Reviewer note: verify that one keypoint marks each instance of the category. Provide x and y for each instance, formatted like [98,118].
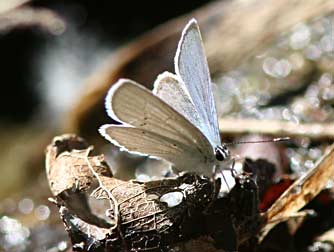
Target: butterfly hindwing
[172,90]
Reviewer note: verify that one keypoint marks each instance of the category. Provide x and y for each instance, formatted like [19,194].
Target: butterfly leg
[216,172]
[233,171]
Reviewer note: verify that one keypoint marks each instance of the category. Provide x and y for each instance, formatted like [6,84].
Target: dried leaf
[66,164]
[138,216]
[299,193]
[155,214]
[158,215]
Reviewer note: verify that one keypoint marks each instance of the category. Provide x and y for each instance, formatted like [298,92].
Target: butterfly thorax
[222,152]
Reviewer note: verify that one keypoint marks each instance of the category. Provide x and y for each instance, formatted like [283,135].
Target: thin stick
[276,128]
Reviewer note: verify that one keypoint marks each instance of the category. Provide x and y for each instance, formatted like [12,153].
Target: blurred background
[270,60]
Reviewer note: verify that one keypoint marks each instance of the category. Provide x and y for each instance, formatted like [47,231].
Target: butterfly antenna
[274,140]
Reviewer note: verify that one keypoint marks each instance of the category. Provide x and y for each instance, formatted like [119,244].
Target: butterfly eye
[222,153]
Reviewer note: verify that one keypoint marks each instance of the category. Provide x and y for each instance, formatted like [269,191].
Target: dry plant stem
[327,236]
[300,192]
[276,128]
[27,16]
[11,4]
[225,25]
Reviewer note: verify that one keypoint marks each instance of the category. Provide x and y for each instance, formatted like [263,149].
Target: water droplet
[62,246]
[327,43]
[326,80]
[314,153]
[309,164]
[300,37]
[313,52]
[328,94]
[295,163]
[305,143]
[15,235]
[276,68]
[143,177]
[26,206]
[283,68]
[172,198]
[42,212]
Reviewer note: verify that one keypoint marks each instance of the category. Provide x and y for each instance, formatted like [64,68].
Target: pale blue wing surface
[144,114]
[141,141]
[172,90]
[191,66]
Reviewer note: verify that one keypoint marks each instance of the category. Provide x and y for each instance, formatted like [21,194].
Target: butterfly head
[222,152]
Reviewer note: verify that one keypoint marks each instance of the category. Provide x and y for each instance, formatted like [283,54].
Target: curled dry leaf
[66,165]
[137,217]
[69,176]
[156,214]
[299,193]
[170,213]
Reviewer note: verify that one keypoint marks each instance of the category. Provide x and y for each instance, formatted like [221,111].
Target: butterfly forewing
[191,65]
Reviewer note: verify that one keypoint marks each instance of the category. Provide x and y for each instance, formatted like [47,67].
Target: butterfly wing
[172,90]
[191,65]
[139,141]
[138,109]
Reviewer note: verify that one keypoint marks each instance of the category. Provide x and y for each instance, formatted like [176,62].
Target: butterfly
[177,121]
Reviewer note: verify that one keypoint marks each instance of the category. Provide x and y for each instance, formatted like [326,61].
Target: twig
[10,5]
[15,15]
[301,192]
[276,128]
